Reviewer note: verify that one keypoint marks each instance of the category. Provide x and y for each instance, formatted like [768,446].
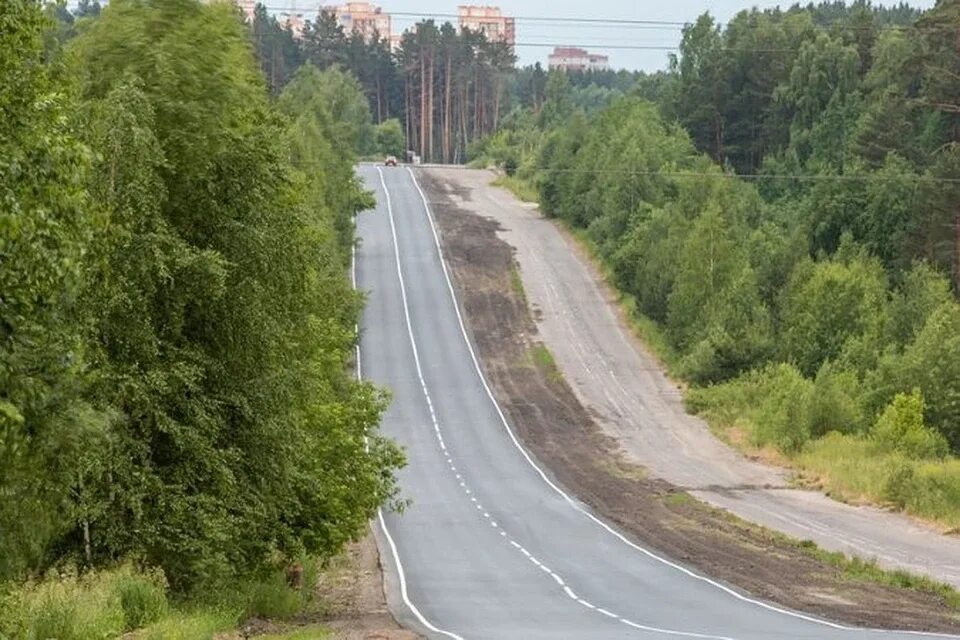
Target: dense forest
[444,88]
[176,318]
[782,209]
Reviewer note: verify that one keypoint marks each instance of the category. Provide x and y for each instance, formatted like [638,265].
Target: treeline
[446,87]
[851,99]
[810,301]
[176,324]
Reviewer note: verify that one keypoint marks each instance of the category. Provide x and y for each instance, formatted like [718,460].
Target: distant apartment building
[489,20]
[294,22]
[364,18]
[247,6]
[577,59]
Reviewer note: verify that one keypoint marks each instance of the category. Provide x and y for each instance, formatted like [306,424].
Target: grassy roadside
[852,468]
[523,189]
[138,604]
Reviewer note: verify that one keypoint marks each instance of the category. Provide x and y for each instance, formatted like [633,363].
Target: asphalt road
[636,404]
[490,547]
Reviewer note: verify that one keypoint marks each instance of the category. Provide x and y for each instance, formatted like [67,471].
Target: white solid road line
[575,505]
[383,524]
[436,424]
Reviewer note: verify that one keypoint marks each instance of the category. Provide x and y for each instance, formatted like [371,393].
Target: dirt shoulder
[566,437]
[352,590]
[350,603]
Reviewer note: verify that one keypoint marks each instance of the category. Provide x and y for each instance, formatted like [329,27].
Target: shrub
[901,428]
[390,138]
[272,597]
[834,402]
[898,483]
[143,598]
[783,419]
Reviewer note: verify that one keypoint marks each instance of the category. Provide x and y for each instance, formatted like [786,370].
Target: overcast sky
[593,36]
[537,38]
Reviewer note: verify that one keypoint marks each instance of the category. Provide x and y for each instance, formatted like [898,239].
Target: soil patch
[350,601]
[556,429]
[352,592]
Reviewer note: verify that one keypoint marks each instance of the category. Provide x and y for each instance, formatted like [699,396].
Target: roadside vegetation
[179,428]
[785,227]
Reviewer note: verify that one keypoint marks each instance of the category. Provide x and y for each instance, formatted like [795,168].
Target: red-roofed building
[577,59]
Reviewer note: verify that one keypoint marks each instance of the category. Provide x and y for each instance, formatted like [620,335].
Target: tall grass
[853,468]
[850,467]
[110,603]
[525,190]
[201,624]
[70,606]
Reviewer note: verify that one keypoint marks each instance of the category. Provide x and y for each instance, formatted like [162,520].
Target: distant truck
[391,161]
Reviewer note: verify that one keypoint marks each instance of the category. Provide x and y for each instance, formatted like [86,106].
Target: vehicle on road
[391,161]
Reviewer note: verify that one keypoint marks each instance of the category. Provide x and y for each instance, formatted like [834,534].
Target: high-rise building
[247,6]
[364,18]
[489,20]
[577,59]
[294,22]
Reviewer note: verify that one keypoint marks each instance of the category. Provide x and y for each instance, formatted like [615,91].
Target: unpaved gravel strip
[636,404]
[564,435]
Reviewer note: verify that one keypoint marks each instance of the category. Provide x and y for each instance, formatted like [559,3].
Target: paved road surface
[490,548]
[636,404]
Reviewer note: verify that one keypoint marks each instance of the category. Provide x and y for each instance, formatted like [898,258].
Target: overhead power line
[727,176]
[559,20]
[414,16]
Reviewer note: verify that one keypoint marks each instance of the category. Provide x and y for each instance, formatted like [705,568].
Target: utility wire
[556,19]
[624,22]
[726,175]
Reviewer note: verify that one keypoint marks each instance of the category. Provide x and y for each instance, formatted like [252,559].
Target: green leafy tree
[715,311]
[46,425]
[820,97]
[557,100]
[931,363]
[390,140]
[341,95]
[922,291]
[243,432]
[901,428]
[826,304]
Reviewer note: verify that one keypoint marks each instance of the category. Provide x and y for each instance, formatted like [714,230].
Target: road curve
[491,547]
[636,404]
